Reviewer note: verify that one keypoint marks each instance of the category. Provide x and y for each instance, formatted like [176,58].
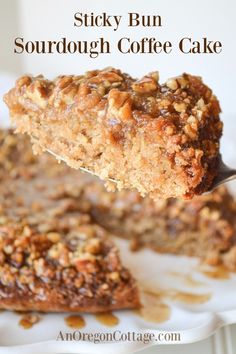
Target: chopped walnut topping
[200,104]
[180,107]
[93,246]
[172,84]
[119,105]
[114,276]
[146,84]
[54,236]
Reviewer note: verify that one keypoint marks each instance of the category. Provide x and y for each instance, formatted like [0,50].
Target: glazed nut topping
[172,84]
[119,106]
[36,261]
[147,84]
[54,237]
[179,107]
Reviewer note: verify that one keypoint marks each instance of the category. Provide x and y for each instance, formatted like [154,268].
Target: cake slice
[53,257]
[162,140]
[203,227]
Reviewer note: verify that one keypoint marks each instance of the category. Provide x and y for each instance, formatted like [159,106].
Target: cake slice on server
[162,140]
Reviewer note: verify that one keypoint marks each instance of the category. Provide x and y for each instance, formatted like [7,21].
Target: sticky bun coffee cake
[53,257]
[204,227]
[162,140]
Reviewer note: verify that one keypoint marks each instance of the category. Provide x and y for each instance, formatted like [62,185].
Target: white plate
[192,321]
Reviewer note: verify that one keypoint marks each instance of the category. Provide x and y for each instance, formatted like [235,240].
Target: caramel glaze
[107,319]
[27,321]
[177,295]
[189,298]
[217,273]
[153,309]
[75,321]
[188,279]
[26,324]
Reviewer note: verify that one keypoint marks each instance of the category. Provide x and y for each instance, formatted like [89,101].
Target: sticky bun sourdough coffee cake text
[162,140]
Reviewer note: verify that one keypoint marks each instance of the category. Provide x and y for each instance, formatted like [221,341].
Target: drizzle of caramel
[75,321]
[107,319]
[28,321]
[153,310]
[25,323]
[188,279]
[217,273]
[189,298]
[175,274]
[176,295]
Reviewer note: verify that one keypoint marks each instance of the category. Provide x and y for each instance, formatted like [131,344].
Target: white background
[53,19]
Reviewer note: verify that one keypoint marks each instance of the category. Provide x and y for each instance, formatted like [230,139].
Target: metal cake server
[60,158]
[225,173]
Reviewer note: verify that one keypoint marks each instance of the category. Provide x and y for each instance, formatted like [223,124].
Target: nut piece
[114,276]
[180,107]
[36,93]
[54,237]
[146,84]
[93,246]
[172,84]
[119,105]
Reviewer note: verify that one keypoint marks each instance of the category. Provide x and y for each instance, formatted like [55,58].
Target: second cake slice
[52,256]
